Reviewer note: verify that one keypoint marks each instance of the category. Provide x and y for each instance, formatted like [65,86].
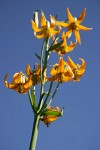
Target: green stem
[46,55]
[50,87]
[42,77]
[54,94]
[34,132]
[41,65]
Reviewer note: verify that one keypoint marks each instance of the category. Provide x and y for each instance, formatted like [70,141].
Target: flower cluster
[63,71]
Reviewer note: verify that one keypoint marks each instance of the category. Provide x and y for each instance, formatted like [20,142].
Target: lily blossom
[20,83]
[61,72]
[47,29]
[64,48]
[74,25]
[35,74]
[51,115]
[77,69]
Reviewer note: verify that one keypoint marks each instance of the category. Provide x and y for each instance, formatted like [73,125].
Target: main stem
[34,132]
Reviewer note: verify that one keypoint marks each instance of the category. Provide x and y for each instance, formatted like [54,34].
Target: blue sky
[79,128]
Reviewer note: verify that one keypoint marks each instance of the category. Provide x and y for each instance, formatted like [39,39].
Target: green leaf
[39,57]
[55,46]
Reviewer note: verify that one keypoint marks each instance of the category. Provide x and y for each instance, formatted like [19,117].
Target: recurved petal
[67,49]
[70,17]
[63,24]
[72,45]
[80,72]
[34,27]
[81,27]
[38,70]
[36,21]
[71,64]
[64,39]
[81,68]
[82,16]
[10,86]
[63,35]
[53,71]
[77,35]
[28,84]
[57,108]
[48,119]
[68,33]
[17,78]
[43,20]
[53,22]
[60,69]
[70,73]
[83,63]
[39,35]
[28,70]
[68,76]
[55,32]
[52,118]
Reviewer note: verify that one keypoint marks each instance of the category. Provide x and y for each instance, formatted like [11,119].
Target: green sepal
[51,113]
[55,46]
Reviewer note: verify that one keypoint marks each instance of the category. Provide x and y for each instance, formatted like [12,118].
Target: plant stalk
[34,132]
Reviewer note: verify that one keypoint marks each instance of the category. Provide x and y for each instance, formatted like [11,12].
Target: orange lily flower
[64,48]
[35,75]
[47,29]
[74,25]
[51,115]
[20,83]
[61,72]
[77,69]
